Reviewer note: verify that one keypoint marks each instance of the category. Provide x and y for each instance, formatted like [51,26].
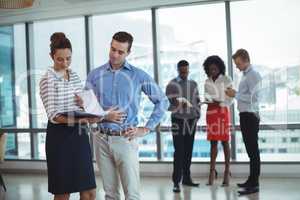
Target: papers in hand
[185,101]
[204,102]
[91,104]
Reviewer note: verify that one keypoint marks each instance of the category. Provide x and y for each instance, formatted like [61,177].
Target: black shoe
[243,185]
[187,181]
[247,184]
[176,188]
[190,183]
[249,190]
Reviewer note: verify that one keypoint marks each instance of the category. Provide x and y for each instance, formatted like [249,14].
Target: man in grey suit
[184,104]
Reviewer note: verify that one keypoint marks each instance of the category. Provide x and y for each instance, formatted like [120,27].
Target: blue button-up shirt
[123,88]
[248,92]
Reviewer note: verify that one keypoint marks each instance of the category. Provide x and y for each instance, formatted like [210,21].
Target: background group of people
[118,86]
[218,95]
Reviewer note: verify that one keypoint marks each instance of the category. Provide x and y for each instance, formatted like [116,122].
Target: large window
[74,30]
[13,89]
[7,104]
[271,36]
[192,41]
[141,56]
[272,39]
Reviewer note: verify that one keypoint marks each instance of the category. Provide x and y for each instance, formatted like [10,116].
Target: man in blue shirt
[248,105]
[120,84]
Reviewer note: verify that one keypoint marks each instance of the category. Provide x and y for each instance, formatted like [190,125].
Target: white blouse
[58,94]
[215,90]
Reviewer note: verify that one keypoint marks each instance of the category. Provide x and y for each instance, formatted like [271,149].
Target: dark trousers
[183,131]
[249,123]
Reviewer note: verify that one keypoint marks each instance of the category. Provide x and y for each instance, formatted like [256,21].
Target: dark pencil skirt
[69,159]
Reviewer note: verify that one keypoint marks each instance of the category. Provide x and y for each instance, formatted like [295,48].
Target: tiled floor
[34,187]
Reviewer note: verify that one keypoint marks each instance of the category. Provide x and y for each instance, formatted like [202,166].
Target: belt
[110,132]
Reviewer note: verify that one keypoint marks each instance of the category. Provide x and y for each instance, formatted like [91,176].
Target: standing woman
[217,115]
[68,151]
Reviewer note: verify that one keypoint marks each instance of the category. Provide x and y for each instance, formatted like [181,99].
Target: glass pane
[42,30]
[7,103]
[41,146]
[13,77]
[201,149]
[18,146]
[21,92]
[139,25]
[147,147]
[274,145]
[192,41]
[136,23]
[274,49]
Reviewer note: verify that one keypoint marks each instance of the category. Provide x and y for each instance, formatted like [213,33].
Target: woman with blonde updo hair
[68,151]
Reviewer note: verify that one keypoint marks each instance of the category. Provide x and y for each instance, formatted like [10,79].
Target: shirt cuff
[237,96]
[150,125]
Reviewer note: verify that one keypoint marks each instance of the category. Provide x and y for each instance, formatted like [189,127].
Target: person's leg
[226,149]
[127,161]
[253,149]
[213,156]
[250,126]
[244,131]
[107,168]
[61,196]
[190,129]
[178,142]
[88,194]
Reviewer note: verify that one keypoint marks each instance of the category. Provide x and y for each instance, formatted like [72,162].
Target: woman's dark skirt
[69,159]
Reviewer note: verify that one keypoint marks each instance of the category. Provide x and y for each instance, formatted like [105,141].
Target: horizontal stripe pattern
[58,94]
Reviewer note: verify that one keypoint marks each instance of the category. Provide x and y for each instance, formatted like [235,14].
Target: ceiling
[50,9]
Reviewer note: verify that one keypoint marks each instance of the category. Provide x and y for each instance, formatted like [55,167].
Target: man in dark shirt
[184,104]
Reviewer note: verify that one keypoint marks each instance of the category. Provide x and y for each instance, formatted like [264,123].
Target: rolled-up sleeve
[157,97]
[47,93]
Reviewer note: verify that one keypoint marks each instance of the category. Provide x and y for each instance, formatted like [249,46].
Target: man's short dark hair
[243,54]
[123,37]
[182,63]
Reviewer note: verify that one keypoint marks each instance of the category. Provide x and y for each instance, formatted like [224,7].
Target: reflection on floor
[34,187]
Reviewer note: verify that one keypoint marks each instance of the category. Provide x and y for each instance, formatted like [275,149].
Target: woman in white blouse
[68,152]
[217,115]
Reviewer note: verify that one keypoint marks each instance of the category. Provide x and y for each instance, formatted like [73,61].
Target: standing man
[248,105]
[184,104]
[120,84]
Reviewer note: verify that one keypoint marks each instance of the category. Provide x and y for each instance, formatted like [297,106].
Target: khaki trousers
[118,162]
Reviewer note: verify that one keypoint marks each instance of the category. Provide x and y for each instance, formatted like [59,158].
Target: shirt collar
[249,68]
[126,65]
[178,79]
[58,75]
[219,77]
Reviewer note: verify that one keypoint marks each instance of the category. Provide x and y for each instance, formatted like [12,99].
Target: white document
[184,100]
[90,103]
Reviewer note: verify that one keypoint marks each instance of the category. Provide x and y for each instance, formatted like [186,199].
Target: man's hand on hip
[134,132]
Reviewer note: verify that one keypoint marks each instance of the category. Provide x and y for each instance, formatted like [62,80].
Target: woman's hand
[214,103]
[230,92]
[115,115]
[79,101]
